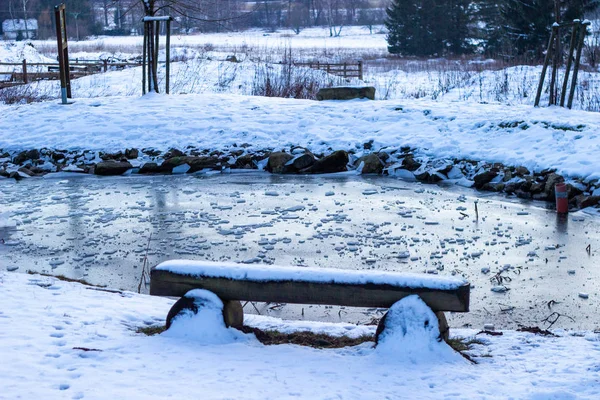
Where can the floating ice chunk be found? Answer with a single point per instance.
(369, 192)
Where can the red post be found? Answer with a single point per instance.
(562, 199)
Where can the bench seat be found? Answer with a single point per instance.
(303, 285)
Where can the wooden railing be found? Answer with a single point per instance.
(347, 70)
(50, 71)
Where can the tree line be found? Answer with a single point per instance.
(497, 28)
(123, 17)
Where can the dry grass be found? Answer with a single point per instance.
(65, 278)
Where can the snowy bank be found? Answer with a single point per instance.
(70, 341)
(537, 139)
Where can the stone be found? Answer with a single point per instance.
(383, 156)
(15, 175)
(346, 93)
(150, 168)
(26, 171)
(334, 162)
(573, 191)
(172, 153)
(301, 162)
(196, 163)
(26, 155)
(109, 168)
(57, 156)
(522, 194)
(232, 59)
(551, 181)
(483, 178)
(244, 162)
(410, 164)
(372, 164)
(132, 154)
(521, 171)
(583, 201)
(445, 170)
(428, 177)
(512, 187)
(277, 162)
(151, 152)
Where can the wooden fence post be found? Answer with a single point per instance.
(544, 68)
(105, 65)
(563, 92)
(360, 70)
(582, 32)
(25, 79)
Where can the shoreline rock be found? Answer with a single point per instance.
(402, 162)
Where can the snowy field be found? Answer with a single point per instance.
(199, 67)
(62, 340)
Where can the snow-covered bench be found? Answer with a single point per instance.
(233, 282)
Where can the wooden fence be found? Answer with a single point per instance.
(25, 72)
(346, 70)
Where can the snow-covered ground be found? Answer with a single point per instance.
(520, 135)
(65, 340)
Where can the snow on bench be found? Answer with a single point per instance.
(303, 285)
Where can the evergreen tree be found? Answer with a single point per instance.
(413, 28)
(429, 27)
(526, 24)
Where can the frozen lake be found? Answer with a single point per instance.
(99, 229)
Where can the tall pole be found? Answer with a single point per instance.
(582, 33)
(168, 55)
(563, 92)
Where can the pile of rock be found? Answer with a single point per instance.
(403, 162)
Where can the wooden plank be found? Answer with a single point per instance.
(166, 283)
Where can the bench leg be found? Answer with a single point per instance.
(233, 313)
(444, 328)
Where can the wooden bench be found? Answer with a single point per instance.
(233, 283)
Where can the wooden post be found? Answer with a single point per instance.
(345, 71)
(105, 65)
(360, 70)
(144, 58)
(563, 92)
(168, 55)
(582, 33)
(155, 55)
(544, 68)
(25, 80)
(63, 52)
(556, 60)
(552, 97)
